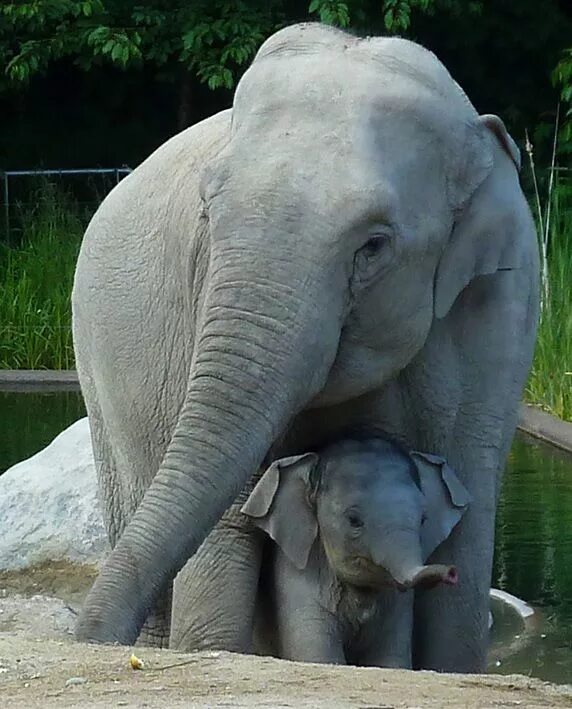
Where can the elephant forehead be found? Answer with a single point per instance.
(308, 86)
(345, 78)
(394, 54)
(369, 129)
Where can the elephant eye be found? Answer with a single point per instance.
(373, 256)
(354, 520)
(374, 245)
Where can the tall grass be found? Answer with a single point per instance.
(550, 381)
(35, 285)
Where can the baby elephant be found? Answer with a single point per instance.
(350, 526)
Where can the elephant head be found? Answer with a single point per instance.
(377, 511)
(358, 192)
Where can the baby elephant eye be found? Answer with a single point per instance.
(355, 520)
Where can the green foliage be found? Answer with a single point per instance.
(562, 78)
(550, 382)
(397, 13)
(221, 36)
(212, 38)
(331, 12)
(33, 34)
(36, 285)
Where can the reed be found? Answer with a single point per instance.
(36, 280)
(550, 381)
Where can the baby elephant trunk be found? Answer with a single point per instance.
(431, 575)
(403, 561)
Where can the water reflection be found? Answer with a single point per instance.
(533, 558)
(28, 422)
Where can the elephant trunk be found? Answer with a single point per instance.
(261, 353)
(402, 558)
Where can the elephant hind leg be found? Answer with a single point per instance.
(215, 593)
(157, 628)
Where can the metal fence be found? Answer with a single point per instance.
(13, 197)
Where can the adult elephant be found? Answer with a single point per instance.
(349, 245)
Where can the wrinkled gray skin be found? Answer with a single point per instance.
(360, 517)
(349, 245)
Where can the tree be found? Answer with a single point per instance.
(212, 38)
(185, 47)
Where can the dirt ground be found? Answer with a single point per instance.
(41, 666)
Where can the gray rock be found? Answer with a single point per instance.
(49, 506)
(38, 616)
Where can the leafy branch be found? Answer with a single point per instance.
(562, 78)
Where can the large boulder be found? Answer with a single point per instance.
(49, 506)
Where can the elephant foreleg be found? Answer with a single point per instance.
(451, 624)
(485, 346)
(121, 490)
(385, 641)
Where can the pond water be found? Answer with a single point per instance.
(28, 422)
(533, 557)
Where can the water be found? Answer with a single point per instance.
(533, 557)
(28, 422)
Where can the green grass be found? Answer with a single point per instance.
(36, 278)
(550, 381)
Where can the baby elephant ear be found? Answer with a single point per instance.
(279, 505)
(446, 499)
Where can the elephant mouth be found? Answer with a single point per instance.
(362, 573)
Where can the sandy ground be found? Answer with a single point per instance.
(41, 666)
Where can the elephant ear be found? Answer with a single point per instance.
(484, 194)
(446, 499)
(280, 505)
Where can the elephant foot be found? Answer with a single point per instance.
(157, 628)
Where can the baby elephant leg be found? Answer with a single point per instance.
(385, 640)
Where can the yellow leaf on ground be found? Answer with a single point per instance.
(135, 662)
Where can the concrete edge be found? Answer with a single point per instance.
(517, 604)
(532, 420)
(30, 380)
(544, 426)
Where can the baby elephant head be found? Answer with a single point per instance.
(378, 510)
